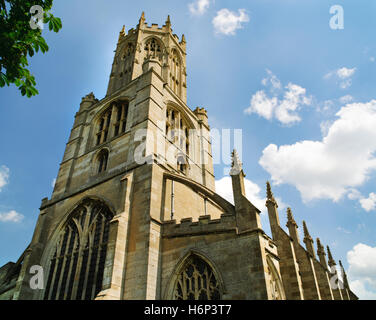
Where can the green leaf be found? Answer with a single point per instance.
(31, 51)
(3, 80)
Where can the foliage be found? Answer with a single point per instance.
(18, 41)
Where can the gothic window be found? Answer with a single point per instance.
(78, 258)
(116, 114)
(127, 53)
(121, 117)
(102, 161)
(196, 281)
(274, 282)
(104, 124)
(152, 48)
(175, 72)
(129, 49)
(177, 129)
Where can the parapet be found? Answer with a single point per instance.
(204, 225)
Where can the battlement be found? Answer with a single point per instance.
(199, 110)
(204, 225)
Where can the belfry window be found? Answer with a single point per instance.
(177, 130)
(196, 281)
(77, 263)
(152, 48)
(121, 117)
(116, 114)
(102, 161)
(175, 72)
(104, 124)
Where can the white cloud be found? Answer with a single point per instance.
(342, 76)
(372, 59)
(359, 287)
(369, 203)
(227, 22)
(284, 109)
(346, 99)
(354, 194)
(332, 167)
(262, 105)
(345, 73)
(199, 7)
(4, 176)
(224, 188)
(325, 126)
(11, 216)
(362, 270)
(53, 183)
(271, 80)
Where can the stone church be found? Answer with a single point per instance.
(134, 213)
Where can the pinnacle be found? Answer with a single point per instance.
(320, 248)
(142, 18)
(289, 215)
(236, 166)
(331, 261)
(306, 233)
(269, 193)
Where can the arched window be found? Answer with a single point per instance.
(78, 258)
(275, 283)
(196, 281)
(175, 72)
(102, 161)
(177, 130)
(153, 49)
(116, 114)
(127, 58)
(121, 117)
(104, 124)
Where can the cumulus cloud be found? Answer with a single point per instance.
(284, 109)
(332, 167)
(227, 22)
(11, 216)
(4, 176)
(252, 190)
(362, 270)
(342, 76)
(369, 203)
(199, 7)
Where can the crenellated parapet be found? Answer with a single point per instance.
(204, 225)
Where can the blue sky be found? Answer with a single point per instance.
(302, 93)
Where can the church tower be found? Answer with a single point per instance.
(113, 184)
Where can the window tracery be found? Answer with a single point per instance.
(78, 258)
(196, 281)
(177, 132)
(153, 49)
(116, 114)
